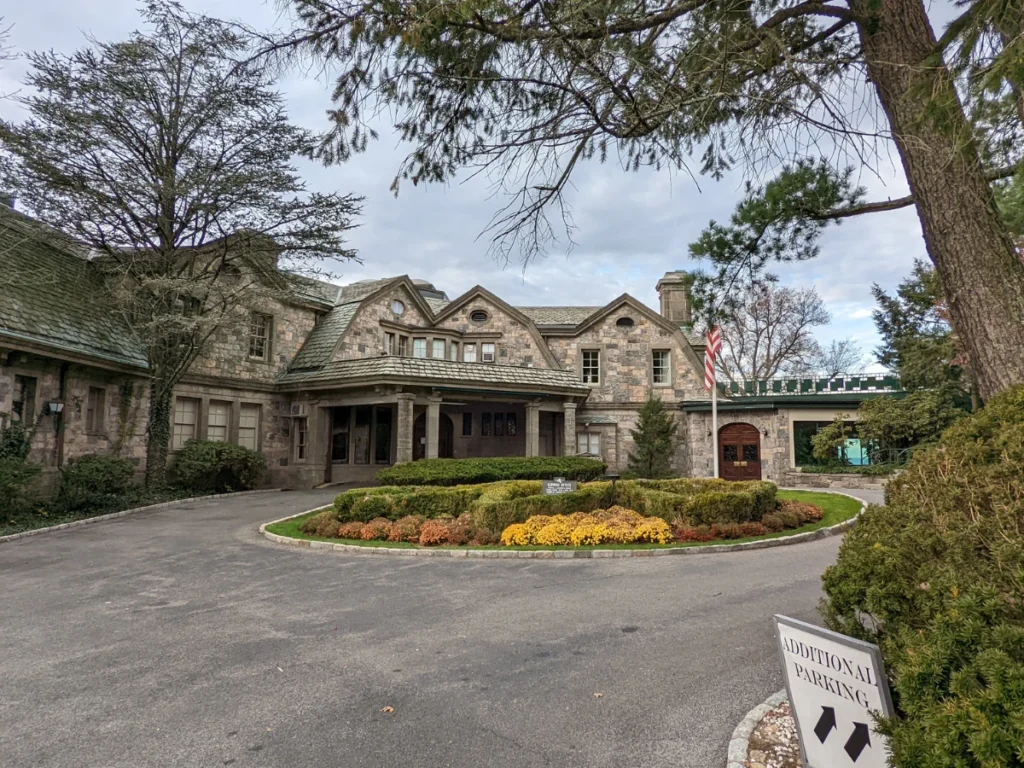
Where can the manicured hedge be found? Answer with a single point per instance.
(495, 506)
(471, 471)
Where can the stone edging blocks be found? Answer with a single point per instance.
(126, 512)
(566, 554)
(739, 744)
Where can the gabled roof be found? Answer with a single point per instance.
(326, 334)
(443, 373)
(478, 291)
(51, 296)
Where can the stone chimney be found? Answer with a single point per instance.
(676, 297)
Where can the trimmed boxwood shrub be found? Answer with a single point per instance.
(936, 578)
(94, 482)
(394, 502)
(470, 471)
(204, 465)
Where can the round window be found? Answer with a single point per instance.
(397, 307)
(478, 316)
(625, 322)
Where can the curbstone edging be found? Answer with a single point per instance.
(739, 744)
(125, 512)
(567, 554)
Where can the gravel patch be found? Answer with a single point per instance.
(773, 744)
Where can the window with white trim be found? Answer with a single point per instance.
(403, 346)
(591, 366)
(249, 426)
(661, 369)
(588, 442)
(437, 349)
(183, 428)
(453, 351)
(259, 336)
(389, 343)
(487, 352)
(419, 347)
(218, 417)
(469, 353)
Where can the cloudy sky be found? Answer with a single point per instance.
(631, 227)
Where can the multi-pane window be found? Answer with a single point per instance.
(510, 427)
(660, 367)
(382, 443)
(403, 346)
(419, 347)
(23, 407)
(591, 366)
(218, 414)
(469, 353)
(95, 409)
(588, 442)
(485, 424)
(301, 427)
(389, 344)
(453, 350)
(340, 419)
(259, 336)
(487, 352)
(467, 424)
(499, 425)
(186, 414)
(437, 352)
(249, 426)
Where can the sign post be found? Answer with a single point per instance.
(834, 683)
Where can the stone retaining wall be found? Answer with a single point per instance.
(838, 480)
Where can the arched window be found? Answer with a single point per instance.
(625, 322)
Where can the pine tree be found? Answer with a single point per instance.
(653, 440)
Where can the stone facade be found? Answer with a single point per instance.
(331, 400)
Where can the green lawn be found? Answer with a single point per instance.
(836, 509)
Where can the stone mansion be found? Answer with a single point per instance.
(335, 382)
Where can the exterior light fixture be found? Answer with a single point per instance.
(764, 431)
(55, 407)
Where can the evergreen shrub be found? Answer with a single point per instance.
(471, 471)
(95, 483)
(936, 578)
(204, 465)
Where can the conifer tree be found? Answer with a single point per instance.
(653, 440)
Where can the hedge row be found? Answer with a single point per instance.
(495, 506)
(472, 471)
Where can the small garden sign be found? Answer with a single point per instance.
(558, 485)
(834, 683)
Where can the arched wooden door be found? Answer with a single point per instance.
(445, 437)
(739, 452)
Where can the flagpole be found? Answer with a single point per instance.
(714, 421)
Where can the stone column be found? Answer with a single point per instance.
(433, 425)
(532, 429)
(570, 428)
(403, 452)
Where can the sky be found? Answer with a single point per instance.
(631, 228)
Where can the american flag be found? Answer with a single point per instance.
(714, 344)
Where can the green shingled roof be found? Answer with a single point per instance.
(324, 337)
(558, 315)
(50, 295)
(463, 375)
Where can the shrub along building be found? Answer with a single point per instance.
(333, 383)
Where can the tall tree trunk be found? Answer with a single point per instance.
(158, 432)
(981, 274)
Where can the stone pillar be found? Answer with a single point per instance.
(403, 452)
(570, 428)
(433, 425)
(532, 429)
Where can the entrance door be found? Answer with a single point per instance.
(739, 457)
(445, 437)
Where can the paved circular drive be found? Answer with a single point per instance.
(181, 638)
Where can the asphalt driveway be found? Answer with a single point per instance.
(181, 638)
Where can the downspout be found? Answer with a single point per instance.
(61, 396)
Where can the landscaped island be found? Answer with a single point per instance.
(515, 513)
